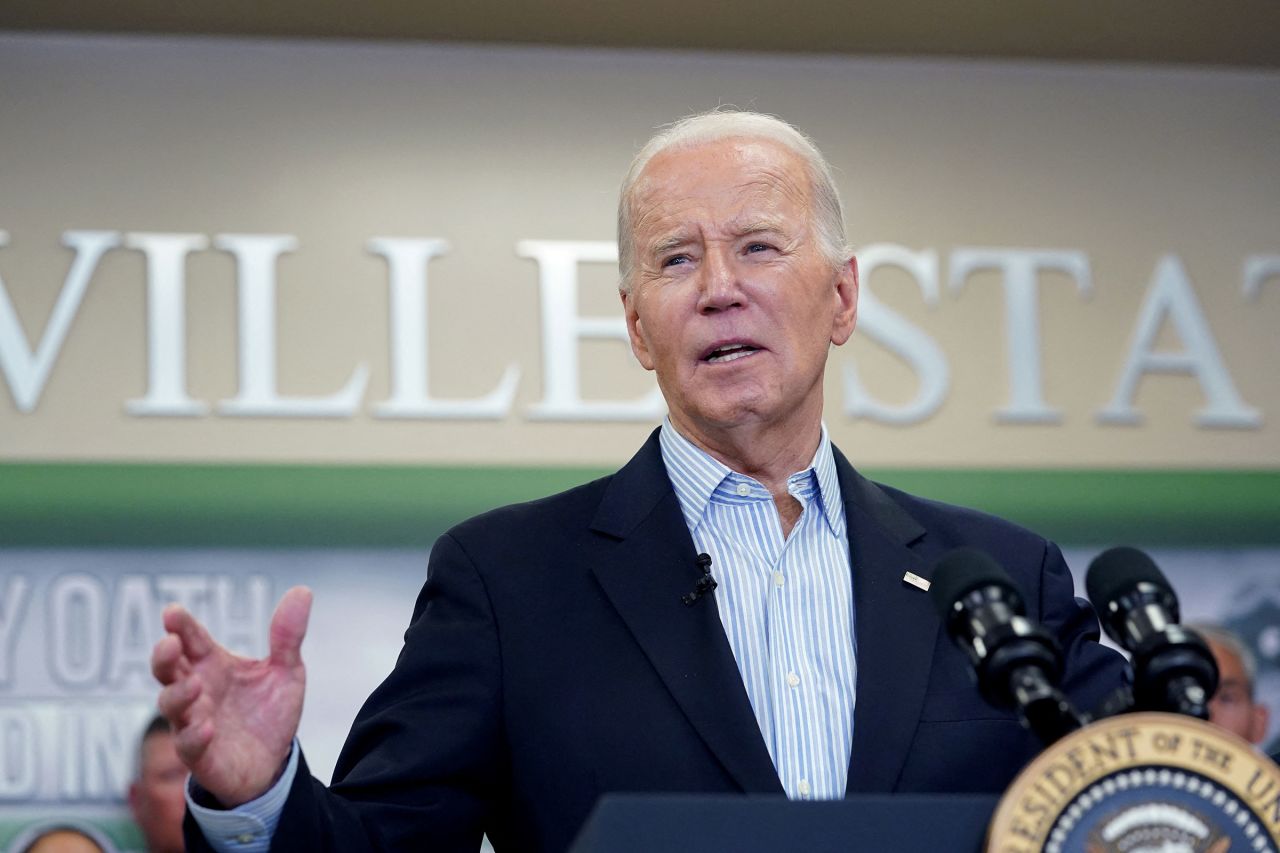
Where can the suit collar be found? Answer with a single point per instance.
(648, 567)
(875, 504)
(634, 492)
(896, 630)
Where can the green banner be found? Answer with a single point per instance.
(97, 505)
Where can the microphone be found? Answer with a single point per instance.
(1173, 668)
(705, 585)
(1017, 663)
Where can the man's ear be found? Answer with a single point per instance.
(635, 330)
(846, 316)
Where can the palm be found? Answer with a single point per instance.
(234, 717)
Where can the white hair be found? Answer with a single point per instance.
(827, 213)
(1230, 641)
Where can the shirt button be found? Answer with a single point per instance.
(244, 837)
(778, 579)
(804, 788)
(793, 680)
(743, 490)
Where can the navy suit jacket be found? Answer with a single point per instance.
(550, 660)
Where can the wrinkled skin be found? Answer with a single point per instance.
(233, 718)
(726, 254)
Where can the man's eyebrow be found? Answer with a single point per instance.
(757, 226)
(666, 244)
(746, 228)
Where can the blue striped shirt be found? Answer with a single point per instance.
(786, 604)
(787, 608)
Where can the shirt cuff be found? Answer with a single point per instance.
(247, 828)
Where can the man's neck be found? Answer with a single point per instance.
(768, 454)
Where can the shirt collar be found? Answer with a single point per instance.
(695, 475)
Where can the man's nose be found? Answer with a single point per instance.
(721, 284)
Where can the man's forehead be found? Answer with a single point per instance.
(758, 191)
(1225, 655)
(741, 165)
(159, 744)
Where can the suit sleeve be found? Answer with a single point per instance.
(1092, 671)
(423, 761)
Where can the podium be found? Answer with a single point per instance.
(698, 823)
(1128, 781)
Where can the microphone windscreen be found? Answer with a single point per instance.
(1117, 571)
(961, 571)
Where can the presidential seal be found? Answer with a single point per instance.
(1142, 783)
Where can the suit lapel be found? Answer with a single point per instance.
(649, 565)
(896, 630)
(646, 570)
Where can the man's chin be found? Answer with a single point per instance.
(734, 414)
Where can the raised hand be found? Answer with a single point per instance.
(233, 717)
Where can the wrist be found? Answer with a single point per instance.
(234, 798)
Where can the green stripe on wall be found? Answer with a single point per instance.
(153, 505)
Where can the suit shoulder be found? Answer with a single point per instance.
(954, 526)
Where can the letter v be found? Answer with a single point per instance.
(27, 368)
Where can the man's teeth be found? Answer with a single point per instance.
(731, 352)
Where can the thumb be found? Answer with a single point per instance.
(289, 626)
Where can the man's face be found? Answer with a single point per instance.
(732, 302)
(1232, 707)
(157, 799)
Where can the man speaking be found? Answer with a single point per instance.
(730, 612)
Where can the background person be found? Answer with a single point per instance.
(157, 795)
(62, 838)
(1233, 706)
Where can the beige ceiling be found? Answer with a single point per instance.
(1243, 33)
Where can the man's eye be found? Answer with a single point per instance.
(675, 260)
(758, 247)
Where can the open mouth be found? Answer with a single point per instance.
(729, 352)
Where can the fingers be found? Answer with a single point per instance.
(196, 642)
(192, 741)
(168, 664)
(289, 626)
(177, 698)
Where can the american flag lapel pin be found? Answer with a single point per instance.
(916, 581)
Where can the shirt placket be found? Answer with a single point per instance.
(789, 677)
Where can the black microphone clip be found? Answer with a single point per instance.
(705, 584)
